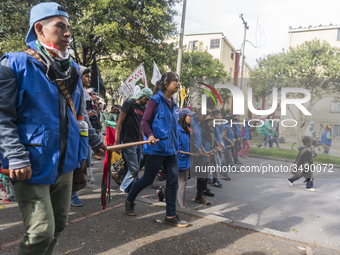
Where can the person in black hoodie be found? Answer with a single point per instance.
(303, 165)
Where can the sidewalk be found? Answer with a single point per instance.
(93, 231)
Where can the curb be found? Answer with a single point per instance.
(231, 223)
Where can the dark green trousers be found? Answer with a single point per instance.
(44, 209)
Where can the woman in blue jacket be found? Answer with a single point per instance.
(160, 121)
(183, 159)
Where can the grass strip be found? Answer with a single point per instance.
(292, 154)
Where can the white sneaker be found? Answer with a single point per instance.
(311, 189)
(290, 184)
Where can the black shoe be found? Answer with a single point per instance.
(217, 184)
(226, 178)
(129, 208)
(202, 200)
(259, 145)
(210, 181)
(208, 193)
(176, 221)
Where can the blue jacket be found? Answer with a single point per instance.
(230, 135)
(38, 120)
(218, 133)
(183, 145)
(238, 130)
(198, 133)
(206, 145)
(246, 133)
(325, 140)
(164, 125)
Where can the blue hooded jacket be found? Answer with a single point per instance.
(183, 145)
(38, 120)
(246, 133)
(164, 125)
(198, 133)
(230, 135)
(325, 140)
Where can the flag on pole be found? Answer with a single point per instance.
(156, 76)
(96, 79)
(138, 77)
(183, 96)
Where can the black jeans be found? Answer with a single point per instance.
(152, 166)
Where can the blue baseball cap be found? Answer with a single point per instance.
(42, 11)
(185, 112)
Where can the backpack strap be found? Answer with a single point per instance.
(60, 84)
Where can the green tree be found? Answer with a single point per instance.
(200, 66)
(121, 33)
(314, 65)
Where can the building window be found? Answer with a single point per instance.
(214, 44)
(232, 54)
(335, 106)
(231, 72)
(338, 34)
(336, 130)
(193, 45)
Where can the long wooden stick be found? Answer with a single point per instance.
(4, 172)
(109, 148)
(125, 145)
(187, 153)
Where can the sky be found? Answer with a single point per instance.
(268, 21)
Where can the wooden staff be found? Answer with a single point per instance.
(4, 172)
(109, 148)
(225, 148)
(187, 153)
(125, 145)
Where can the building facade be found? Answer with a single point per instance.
(327, 110)
(220, 48)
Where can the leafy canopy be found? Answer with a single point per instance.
(200, 65)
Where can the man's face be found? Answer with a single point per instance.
(100, 106)
(144, 100)
(57, 31)
(86, 79)
(115, 109)
(96, 101)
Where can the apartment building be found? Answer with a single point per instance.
(220, 48)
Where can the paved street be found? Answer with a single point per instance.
(287, 219)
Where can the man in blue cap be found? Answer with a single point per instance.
(41, 98)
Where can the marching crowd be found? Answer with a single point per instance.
(44, 94)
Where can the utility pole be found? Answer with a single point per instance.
(246, 27)
(180, 50)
